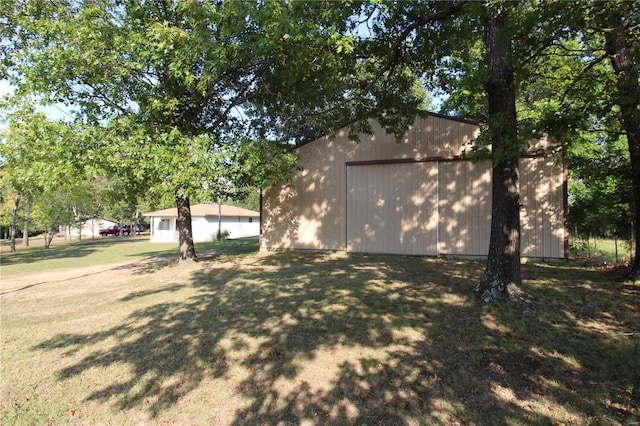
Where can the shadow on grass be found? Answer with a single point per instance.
(381, 340)
(210, 249)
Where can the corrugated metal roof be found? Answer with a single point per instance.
(208, 210)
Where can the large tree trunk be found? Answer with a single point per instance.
(502, 274)
(185, 234)
(621, 51)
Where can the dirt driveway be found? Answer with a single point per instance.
(82, 278)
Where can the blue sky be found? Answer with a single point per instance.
(5, 88)
(54, 112)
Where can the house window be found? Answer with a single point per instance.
(164, 225)
(250, 220)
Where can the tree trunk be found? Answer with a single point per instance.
(76, 223)
(631, 248)
(48, 237)
(219, 219)
(25, 226)
(52, 229)
(137, 223)
(502, 274)
(621, 48)
(14, 223)
(185, 234)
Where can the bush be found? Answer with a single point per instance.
(579, 248)
(601, 249)
(222, 235)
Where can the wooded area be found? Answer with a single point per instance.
(171, 102)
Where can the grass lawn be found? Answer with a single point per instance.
(251, 338)
(88, 252)
(602, 250)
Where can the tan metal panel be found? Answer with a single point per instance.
(433, 136)
(542, 214)
(391, 208)
(464, 207)
(311, 213)
(314, 212)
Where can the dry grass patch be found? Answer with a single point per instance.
(303, 338)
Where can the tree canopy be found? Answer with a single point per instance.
(42, 162)
(181, 88)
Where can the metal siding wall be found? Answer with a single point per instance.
(428, 137)
(391, 208)
(542, 215)
(313, 214)
(465, 208)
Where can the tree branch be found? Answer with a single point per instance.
(582, 75)
(419, 23)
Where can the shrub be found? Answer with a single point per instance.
(222, 235)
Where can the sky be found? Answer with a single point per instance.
(5, 88)
(54, 112)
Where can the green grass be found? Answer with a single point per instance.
(252, 338)
(601, 250)
(89, 252)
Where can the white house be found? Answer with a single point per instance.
(205, 222)
(90, 228)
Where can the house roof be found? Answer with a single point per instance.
(208, 210)
(99, 218)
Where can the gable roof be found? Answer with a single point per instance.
(430, 123)
(207, 210)
(100, 218)
(421, 114)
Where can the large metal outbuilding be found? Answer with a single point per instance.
(416, 197)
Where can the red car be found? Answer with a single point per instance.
(115, 230)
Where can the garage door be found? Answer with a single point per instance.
(392, 208)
